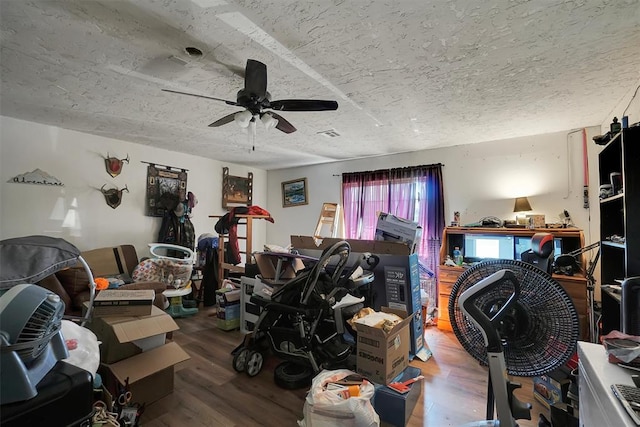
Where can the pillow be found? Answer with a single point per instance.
(74, 280)
(53, 284)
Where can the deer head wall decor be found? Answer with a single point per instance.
(113, 196)
(114, 165)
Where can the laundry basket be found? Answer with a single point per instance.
(175, 272)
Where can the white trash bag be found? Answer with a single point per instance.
(326, 408)
(83, 346)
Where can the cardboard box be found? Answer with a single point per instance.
(277, 267)
(313, 247)
(393, 229)
(536, 221)
(126, 336)
(149, 374)
(227, 296)
(397, 286)
(383, 355)
(228, 314)
(116, 302)
(552, 388)
(395, 408)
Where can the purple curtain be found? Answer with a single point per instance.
(413, 193)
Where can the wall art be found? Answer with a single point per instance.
(36, 176)
(294, 193)
(113, 196)
(114, 165)
(236, 190)
(166, 187)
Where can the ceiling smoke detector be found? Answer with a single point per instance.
(331, 133)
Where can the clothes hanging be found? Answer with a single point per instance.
(228, 224)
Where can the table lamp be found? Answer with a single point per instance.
(521, 205)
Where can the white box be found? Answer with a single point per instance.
(393, 229)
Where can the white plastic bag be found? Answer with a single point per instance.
(324, 408)
(86, 355)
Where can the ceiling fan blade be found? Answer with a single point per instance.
(255, 79)
(200, 96)
(303, 105)
(283, 125)
(224, 120)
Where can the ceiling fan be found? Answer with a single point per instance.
(255, 99)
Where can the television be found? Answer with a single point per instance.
(522, 244)
(478, 247)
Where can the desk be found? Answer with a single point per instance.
(176, 309)
(598, 406)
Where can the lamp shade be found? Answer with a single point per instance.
(269, 121)
(522, 205)
(243, 118)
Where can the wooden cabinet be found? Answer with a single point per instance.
(619, 215)
(576, 285)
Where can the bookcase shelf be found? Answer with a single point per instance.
(619, 216)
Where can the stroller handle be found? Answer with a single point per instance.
(342, 249)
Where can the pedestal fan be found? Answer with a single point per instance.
(516, 319)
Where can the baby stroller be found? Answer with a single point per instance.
(304, 321)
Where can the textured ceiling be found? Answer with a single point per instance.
(407, 75)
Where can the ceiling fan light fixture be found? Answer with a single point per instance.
(243, 118)
(269, 121)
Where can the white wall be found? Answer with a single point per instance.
(479, 180)
(76, 159)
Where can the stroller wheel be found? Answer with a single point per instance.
(240, 360)
(292, 376)
(254, 363)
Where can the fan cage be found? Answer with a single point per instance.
(539, 334)
(41, 326)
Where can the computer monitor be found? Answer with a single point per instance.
(478, 247)
(522, 244)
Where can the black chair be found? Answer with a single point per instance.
(541, 252)
(630, 306)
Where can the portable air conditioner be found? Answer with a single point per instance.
(30, 339)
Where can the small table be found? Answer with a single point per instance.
(176, 309)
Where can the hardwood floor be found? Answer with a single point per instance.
(208, 392)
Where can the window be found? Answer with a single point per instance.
(413, 193)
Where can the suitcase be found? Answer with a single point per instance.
(65, 398)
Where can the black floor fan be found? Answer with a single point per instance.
(516, 319)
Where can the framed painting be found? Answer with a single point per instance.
(294, 193)
(236, 190)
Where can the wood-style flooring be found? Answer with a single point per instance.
(208, 392)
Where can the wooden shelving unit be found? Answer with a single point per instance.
(245, 233)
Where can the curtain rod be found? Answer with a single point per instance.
(404, 167)
(166, 166)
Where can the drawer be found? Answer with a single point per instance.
(444, 288)
(449, 274)
(443, 307)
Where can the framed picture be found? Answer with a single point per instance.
(294, 193)
(236, 190)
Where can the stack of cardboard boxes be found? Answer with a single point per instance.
(383, 357)
(228, 308)
(134, 348)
